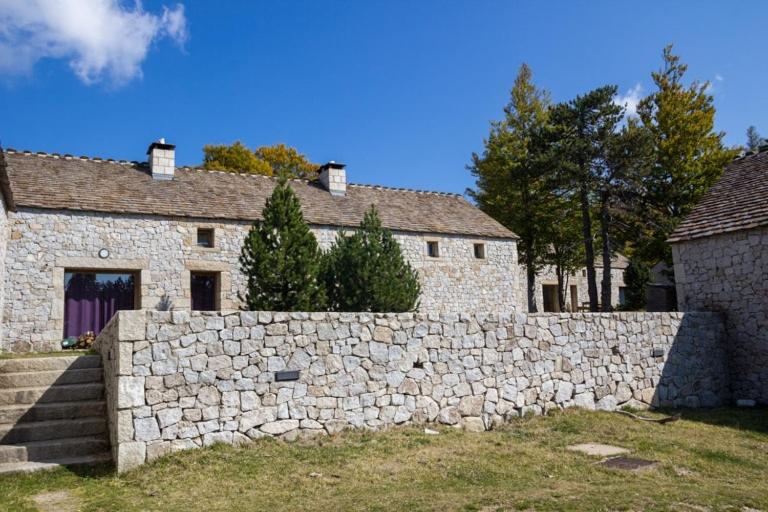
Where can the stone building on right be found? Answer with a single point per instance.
(720, 253)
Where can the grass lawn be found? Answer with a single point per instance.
(710, 460)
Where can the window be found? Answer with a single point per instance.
(433, 251)
(480, 251)
(204, 237)
(205, 290)
(91, 298)
(622, 295)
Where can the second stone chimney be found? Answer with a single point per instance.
(333, 177)
(162, 160)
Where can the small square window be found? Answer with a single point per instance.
(204, 237)
(480, 251)
(433, 251)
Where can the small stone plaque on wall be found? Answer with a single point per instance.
(286, 375)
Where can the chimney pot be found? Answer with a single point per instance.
(333, 176)
(162, 160)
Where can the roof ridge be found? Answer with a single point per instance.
(237, 173)
(307, 180)
(762, 150)
(98, 159)
(67, 156)
(402, 189)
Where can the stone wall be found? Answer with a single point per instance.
(3, 249)
(184, 380)
(162, 252)
(729, 273)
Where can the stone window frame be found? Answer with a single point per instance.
(484, 247)
(216, 289)
(224, 283)
(427, 243)
(190, 240)
(212, 234)
(140, 267)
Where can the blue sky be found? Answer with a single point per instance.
(400, 91)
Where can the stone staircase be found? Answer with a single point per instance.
(52, 413)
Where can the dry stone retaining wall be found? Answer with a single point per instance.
(178, 380)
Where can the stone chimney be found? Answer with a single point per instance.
(333, 177)
(162, 160)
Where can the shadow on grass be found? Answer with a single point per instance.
(742, 419)
(91, 471)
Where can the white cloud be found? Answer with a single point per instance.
(99, 38)
(711, 88)
(630, 100)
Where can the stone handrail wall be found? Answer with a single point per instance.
(178, 380)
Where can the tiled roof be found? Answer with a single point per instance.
(738, 201)
(43, 180)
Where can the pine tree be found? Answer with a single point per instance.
(636, 277)
(367, 272)
(512, 182)
(689, 154)
(584, 129)
(281, 259)
(754, 140)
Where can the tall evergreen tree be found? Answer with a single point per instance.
(281, 259)
(628, 161)
(636, 277)
(583, 131)
(367, 272)
(754, 139)
(512, 184)
(689, 154)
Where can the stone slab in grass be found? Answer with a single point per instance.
(629, 463)
(597, 449)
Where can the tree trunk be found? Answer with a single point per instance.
(560, 287)
(589, 249)
(531, 287)
(605, 222)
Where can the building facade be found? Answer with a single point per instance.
(721, 264)
(81, 238)
(576, 287)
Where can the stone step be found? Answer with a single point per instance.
(52, 411)
(53, 429)
(31, 467)
(49, 378)
(66, 393)
(55, 449)
(37, 364)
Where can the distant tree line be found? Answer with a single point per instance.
(276, 160)
(581, 180)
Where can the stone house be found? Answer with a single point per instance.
(720, 256)
(83, 237)
(576, 289)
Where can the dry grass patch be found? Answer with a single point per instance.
(712, 459)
